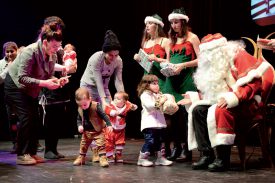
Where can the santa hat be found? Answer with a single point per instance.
(178, 14)
(212, 41)
(110, 42)
(155, 19)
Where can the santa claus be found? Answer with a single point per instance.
(231, 88)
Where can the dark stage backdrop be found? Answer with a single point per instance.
(86, 22)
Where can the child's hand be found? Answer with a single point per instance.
(134, 107)
(80, 129)
(163, 99)
(109, 129)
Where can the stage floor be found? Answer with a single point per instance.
(63, 171)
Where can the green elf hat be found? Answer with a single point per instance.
(155, 19)
(178, 14)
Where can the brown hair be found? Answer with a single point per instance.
(124, 95)
(145, 82)
(159, 32)
(81, 93)
(174, 35)
(50, 34)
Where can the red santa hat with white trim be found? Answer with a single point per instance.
(178, 14)
(155, 19)
(212, 41)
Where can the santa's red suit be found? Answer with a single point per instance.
(116, 138)
(243, 85)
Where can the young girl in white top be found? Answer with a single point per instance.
(152, 120)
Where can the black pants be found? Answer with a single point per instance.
(176, 130)
(200, 127)
(26, 108)
(55, 122)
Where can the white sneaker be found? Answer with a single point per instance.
(145, 162)
(25, 159)
(163, 161)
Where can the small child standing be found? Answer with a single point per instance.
(115, 138)
(152, 121)
(90, 123)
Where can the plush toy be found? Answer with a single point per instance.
(168, 105)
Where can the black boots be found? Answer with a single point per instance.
(180, 153)
(206, 158)
(208, 161)
(222, 161)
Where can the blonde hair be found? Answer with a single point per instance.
(145, 82)
(81, 93)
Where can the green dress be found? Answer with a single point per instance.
(180, 84)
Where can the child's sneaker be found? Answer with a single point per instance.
(103, 162)
(25, 159)
(119, 158)
(80, 160)
(161, 160)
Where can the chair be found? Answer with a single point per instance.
(259, 122)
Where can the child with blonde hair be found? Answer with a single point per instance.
(152, 121)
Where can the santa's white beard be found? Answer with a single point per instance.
(211, 73)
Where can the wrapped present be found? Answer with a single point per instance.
(168, 69)
(144, 61)
(169, 106)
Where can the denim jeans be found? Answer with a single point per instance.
(152, 138)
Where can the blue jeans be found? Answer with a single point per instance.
(152, 139)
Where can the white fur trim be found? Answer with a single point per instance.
(178, 16)
(255, 73)
(211, 122)
(214, 137)
(192, 143)
(231, 99)
(110, 153)
(213, 44)
(223, 139)
(194, 96)
(153, 19)
(119, 147)
(112, 113)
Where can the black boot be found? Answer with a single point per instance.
(222, 161)
(176, 151)
(167, 150)
(206, 158)
(185, 155)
